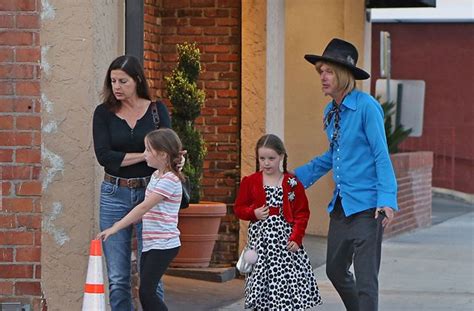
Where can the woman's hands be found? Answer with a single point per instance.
(132, 158)
(262, 212)
(104, 235)
(180, 165)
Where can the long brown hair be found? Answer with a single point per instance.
(167, 140)
(132, 67)
(273, 142)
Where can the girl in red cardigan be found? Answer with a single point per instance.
(275, 203)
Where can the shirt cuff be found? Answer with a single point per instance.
(387, 199)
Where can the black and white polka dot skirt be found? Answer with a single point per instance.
(280, 280)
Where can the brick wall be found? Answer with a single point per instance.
(215, 26)
(445, 131)
(413, 171)
(20, 152)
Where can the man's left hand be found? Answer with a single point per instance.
(386, 213)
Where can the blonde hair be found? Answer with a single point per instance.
(345, 81)
(166, 140)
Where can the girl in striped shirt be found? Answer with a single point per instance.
(159, 213)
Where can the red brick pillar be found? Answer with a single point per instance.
(413, 171)
(216, 26)
(20, 152)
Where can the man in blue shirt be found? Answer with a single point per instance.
(365, 194)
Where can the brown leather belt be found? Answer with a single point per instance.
(140, 182)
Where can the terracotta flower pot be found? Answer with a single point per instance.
(199, 226)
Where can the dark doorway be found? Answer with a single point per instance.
(134, 15)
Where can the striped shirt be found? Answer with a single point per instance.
(160, 223)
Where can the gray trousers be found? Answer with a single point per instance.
(357, 240)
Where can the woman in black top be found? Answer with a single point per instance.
(119, 128)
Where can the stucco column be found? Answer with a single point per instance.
(309, 26)
(253, 111)
(263, 78)
(275, 67)
(78, 41)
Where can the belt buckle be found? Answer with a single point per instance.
(131, 183)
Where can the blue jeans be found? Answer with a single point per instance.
(115, 203)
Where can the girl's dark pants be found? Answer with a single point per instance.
(153, 265)
(355, 239)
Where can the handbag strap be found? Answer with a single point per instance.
(155, 115)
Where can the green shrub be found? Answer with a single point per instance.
(187, 100)
(395, 135)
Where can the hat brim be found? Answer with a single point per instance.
(358, 73)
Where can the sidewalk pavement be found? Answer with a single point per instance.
(428, 269)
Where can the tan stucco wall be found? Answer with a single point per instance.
(253, 86)
(78, 41)
(310, 25)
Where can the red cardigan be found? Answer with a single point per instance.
(252, 195)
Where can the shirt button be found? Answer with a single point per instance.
(338, 185)
(337, 167)
(337, 176)
(337, 149)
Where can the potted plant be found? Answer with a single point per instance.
(199, 223)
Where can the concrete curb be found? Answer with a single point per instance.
(453, 194)
(206, 274)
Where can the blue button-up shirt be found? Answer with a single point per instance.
(362, 170)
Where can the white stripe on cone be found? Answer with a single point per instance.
(94, 272)
(94, 301)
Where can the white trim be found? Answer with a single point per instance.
(275, 68)
(422, 21)
(449, 11)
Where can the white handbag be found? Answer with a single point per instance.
(249, 256)
(246, 261)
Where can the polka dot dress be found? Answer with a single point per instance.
(280, 280)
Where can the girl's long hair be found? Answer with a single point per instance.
(167, 140)
(273, 142)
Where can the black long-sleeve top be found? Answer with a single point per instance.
(113, 138)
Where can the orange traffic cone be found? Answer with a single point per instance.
(94, 297)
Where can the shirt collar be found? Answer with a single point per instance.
(349, 101)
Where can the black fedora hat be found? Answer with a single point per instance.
(343, 53)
